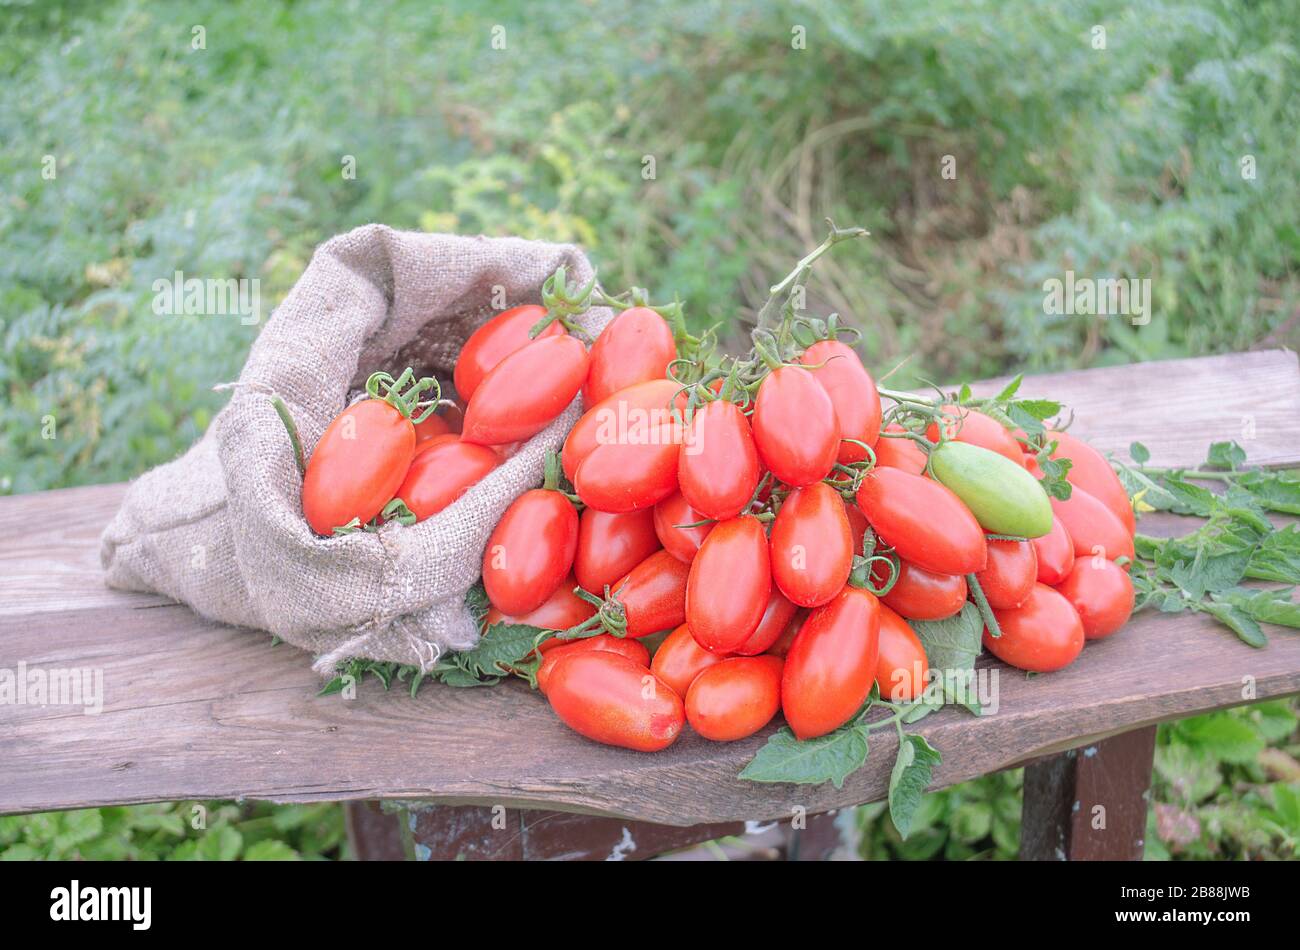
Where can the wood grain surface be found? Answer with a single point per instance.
(195, 709)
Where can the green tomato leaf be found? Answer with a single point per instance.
(1239, 622)
(912, 772)
(829, 758)
(1227, 455)
(1139, 453)
(952, 644)
(1264, 606)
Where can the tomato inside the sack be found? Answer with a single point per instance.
(1010, 575)
(1003, 497)
(794, 427)
(776, 618)
(560, 611)
(621, 477)
(853, 394)
(531, 551)
(974, 428)
(735, 698)
(357, 466)
(730, 580)
(524, 393)
(1101, 593)
(430, 427)
(811, 546)
(634, 650)
(831, 664)
(1090, 471)
(902, 669)
(717, 465)
(1041, 635)
(629, 415)
(636, 346)
(611, 699)
(610, 545)
(443, 471)
(487, 346)
(680, 659)
(925, 522)
(680, 542)
(653, 594)
(919, 594)
(899, 451)
(1093, 528)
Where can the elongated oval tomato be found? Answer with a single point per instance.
(717, 466)
(831, 664)
(560, 611)
(1090, 471)
(794, 426)
(1054, 552)
(857, 526)
(614, 700)
(653, 594)
(670, 515)
(1011, 573)
(735, 698)
(443, 471)
(853, 394)
(487, 346)
(902, 669)
(1101, 593)
(811, 546)
(430, 427)
(357, 466)
(776, 618)
(636, 346)
(925, 522)
(899, 451)
(628, 416)
(634, 650)
(1003, 497)
(621, 477)
(1093, 528)
(975, 428)
(729, 583)
(531, 551)
(680, 659)
(524, 393)
(919, 594)
(782, 645)
(1042, 634)
(610, 545)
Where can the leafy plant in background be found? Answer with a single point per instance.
(255, 832)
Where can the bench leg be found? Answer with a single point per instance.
(477, 833)
(1089, 804)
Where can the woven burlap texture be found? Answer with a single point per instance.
(221, 528)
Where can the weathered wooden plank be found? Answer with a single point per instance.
(1178, 407)
(194, 709)
(1090, 803)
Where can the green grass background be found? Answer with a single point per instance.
(227, 162)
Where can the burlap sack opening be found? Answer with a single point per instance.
(221, 528)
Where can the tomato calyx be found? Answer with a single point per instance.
(862, 573)
(564, 301)
(610, 617)
(404, 392)
(397, 510)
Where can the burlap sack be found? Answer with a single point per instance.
(221, 528)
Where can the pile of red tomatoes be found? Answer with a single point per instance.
(766, 522)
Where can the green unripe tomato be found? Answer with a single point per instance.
(1003, 496)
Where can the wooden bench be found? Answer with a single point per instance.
(197, 710)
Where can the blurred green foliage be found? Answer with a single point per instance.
(758, 119)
